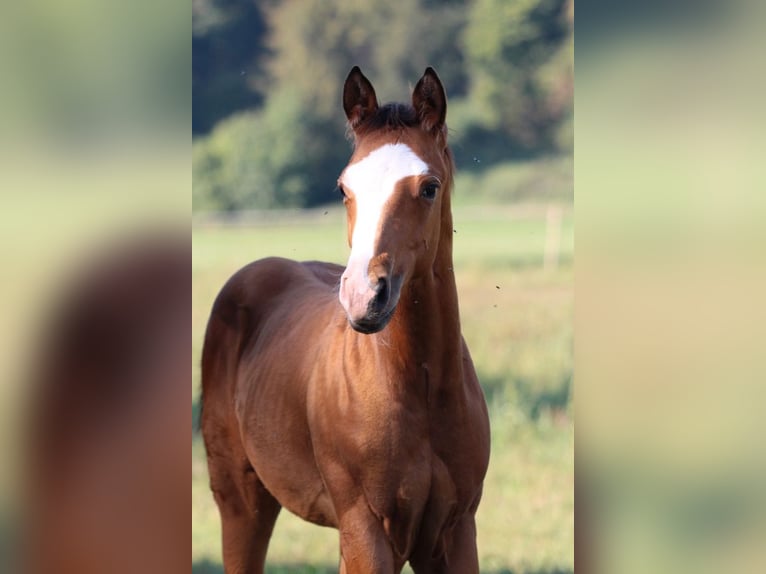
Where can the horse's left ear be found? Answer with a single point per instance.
(430, 101)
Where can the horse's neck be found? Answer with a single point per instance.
(424, 335)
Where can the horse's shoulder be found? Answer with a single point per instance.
(327, 273)
(280, 270)
(269, 270)
(257, 281)
(260, 282)
(274, 267)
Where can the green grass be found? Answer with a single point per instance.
(517, 319)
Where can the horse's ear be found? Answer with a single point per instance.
(359, 100)
(430, 101)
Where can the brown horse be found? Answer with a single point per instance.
(348, 396)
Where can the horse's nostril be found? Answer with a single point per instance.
(381, 289)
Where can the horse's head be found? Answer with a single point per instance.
(396, 191)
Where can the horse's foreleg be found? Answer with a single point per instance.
(462, 556)
(248, 511)
(248, 514)
(364, 547)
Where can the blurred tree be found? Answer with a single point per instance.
(254, 160)
(315, 44)
(520, 62)
(507, 68)
(267, 159)
(228, 38)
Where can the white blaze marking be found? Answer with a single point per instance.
(372, 180)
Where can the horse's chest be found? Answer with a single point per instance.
(413, 501)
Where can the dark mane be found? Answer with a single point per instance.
(391, 116)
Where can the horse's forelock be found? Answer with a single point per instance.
(392, 116)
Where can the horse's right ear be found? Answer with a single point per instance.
(359, 100)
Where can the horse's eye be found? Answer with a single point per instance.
(428, 190)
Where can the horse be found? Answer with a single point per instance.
(348, 395)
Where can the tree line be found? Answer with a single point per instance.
(268, 126)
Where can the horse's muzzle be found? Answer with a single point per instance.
(369, 299)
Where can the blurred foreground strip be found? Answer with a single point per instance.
(106, 468)
(95, 264)
(671, 277)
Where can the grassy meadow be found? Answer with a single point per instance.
(517, 317)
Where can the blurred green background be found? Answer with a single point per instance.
(268, 145)
(267, 77)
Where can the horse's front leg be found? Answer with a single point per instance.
(462, 556)
(364, 546)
